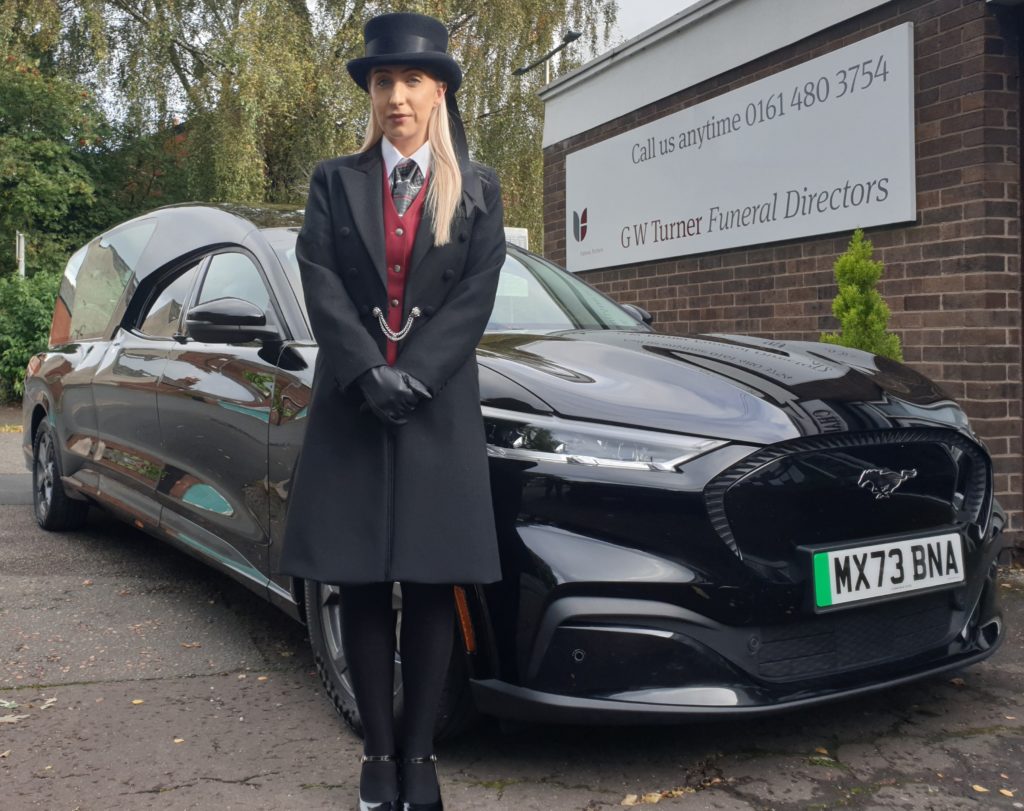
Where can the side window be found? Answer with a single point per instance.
(95, 278)
(161, 317)
(235, 275)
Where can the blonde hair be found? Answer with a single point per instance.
(445, 188)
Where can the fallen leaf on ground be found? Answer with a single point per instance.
(1004, 776)
(630, 799)
(1006, 792)
(821, 750)
(958, 682)
(179, 740)
(8, 705)
(262, 678)
(191, 644)
(652, 797)
(5, 753)
(48, 703)
(980, 789)
(86, 582)
(138, 701)
(11, 719)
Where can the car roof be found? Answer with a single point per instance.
(194, 227)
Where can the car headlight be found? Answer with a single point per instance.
(539, 438)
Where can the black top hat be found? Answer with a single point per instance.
(406, 39)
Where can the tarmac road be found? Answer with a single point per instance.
(231, 714)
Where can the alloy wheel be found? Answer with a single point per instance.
(329, 603)
(44, 474)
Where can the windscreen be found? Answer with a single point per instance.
(533, 295)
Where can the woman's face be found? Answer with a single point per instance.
(402, 99)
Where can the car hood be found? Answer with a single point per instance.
(728, 386)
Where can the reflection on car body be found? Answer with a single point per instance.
(678, 515)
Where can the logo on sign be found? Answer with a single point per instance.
(882, 481)
(579, 225)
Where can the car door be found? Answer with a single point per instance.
(214, 402)
(128, 454)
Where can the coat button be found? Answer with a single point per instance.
(395, 302)
(397, 268)
(366, 309)
(399, 231)
(345, 230)
(428, 310)
(448, 273)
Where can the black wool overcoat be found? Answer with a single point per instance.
(370, 502)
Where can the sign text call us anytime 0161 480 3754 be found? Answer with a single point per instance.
(826, 146)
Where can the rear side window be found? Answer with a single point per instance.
(94, 279)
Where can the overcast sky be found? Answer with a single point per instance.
(639, 15)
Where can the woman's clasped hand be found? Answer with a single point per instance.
(391, 393)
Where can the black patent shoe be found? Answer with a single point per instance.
(377, 805)
(435, 805)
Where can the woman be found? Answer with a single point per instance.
(399, 255)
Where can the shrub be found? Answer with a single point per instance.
(26, 309)
(863, 315)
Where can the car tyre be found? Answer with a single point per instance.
(456, 711)
(53, 507)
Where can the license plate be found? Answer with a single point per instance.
(863, 573)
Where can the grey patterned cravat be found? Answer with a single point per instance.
(406, 182)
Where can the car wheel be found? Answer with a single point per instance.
(456, 712)
(54, 509)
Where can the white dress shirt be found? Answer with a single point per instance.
(389, 152)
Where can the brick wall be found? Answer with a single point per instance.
(952, 279)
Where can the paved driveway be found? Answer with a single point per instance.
(138, 679)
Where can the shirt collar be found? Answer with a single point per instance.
(389, 152)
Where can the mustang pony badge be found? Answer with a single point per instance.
(882, 481)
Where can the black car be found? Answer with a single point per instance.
(691, 526)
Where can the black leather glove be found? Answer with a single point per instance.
(387, 393)
(417, 386)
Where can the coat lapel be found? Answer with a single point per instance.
(472, 197)
(363, 187)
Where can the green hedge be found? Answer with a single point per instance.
(26, 309)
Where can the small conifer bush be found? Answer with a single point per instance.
(863, 315)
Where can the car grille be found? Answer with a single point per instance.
(847, 640)
(805, 492)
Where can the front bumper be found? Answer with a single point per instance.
(668, 706)
(618, 660)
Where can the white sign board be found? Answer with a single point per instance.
(823, 147)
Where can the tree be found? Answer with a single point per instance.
(262, 86)
(44, 183)
(862, 313)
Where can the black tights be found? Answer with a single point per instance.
(368, 638)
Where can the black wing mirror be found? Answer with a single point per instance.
(229, 320)
(638, 312)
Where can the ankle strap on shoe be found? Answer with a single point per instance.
(365, 758)
(420, 759)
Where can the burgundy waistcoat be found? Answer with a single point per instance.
(399, 234)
